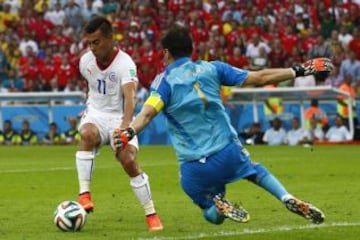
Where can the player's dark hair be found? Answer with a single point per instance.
(97, 23)
(178, 41)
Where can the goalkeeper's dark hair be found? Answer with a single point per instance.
(98, 23)
(178, 41)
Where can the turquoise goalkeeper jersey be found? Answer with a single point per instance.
(197, 122)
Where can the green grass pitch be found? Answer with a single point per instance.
(34, 180)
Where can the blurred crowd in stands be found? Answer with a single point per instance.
(41, 41)
(314, 133)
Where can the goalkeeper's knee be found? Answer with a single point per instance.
(213, 216)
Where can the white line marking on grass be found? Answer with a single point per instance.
(55, 169)
(249, 231)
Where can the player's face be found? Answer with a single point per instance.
(100, 45)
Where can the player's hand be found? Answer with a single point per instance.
(313, 66)
(121, 137)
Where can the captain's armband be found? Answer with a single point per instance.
(155, 101)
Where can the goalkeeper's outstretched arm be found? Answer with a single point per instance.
(142, 119)
(269, 76)
(276, 75)
(150, 109)
(121, 137)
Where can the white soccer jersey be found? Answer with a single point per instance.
(105, 91)
(294, 136)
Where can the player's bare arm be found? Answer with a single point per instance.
(129, 91)
(146, 114)
(122, 137)
(152, 106)
(269, 76)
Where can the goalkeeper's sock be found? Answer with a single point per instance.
(272, 185)
(286, 197)
(85, 168)
(141, 187)
(269, 182)
(213, 215)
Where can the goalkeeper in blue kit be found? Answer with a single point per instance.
(207, 147)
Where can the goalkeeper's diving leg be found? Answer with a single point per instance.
(270, 183)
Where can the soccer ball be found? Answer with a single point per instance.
(70, 216)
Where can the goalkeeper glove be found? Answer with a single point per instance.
(121, 137)
(313, 66)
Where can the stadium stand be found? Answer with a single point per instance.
(40, 41)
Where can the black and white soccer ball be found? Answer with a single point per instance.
(70, 216)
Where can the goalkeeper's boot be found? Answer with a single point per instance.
(233, 212)
(85, 201)
(154, 223)
(305, 210)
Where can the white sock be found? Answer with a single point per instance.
(85, 167)
(141, 187)
(286, 197)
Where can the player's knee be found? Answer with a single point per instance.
(213, 216)
(261, 172)
(127, 158)
(89, 136)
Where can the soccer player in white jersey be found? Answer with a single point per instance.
(207, 146)
(112, 83)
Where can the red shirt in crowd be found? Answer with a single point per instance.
(47, 72)
(239, 62)
(199, 34)
(355, 46)
(30, 73)
(65, 73)
(41, 27)
(288, 41)
(146, 74)
(175, 5)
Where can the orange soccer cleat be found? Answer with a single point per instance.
(154, 223)
(85, 201)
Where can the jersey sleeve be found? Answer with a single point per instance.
(230, 75)
(160, 89)
(129, 71)
(81, 66)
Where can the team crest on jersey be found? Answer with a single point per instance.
(112, 77)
